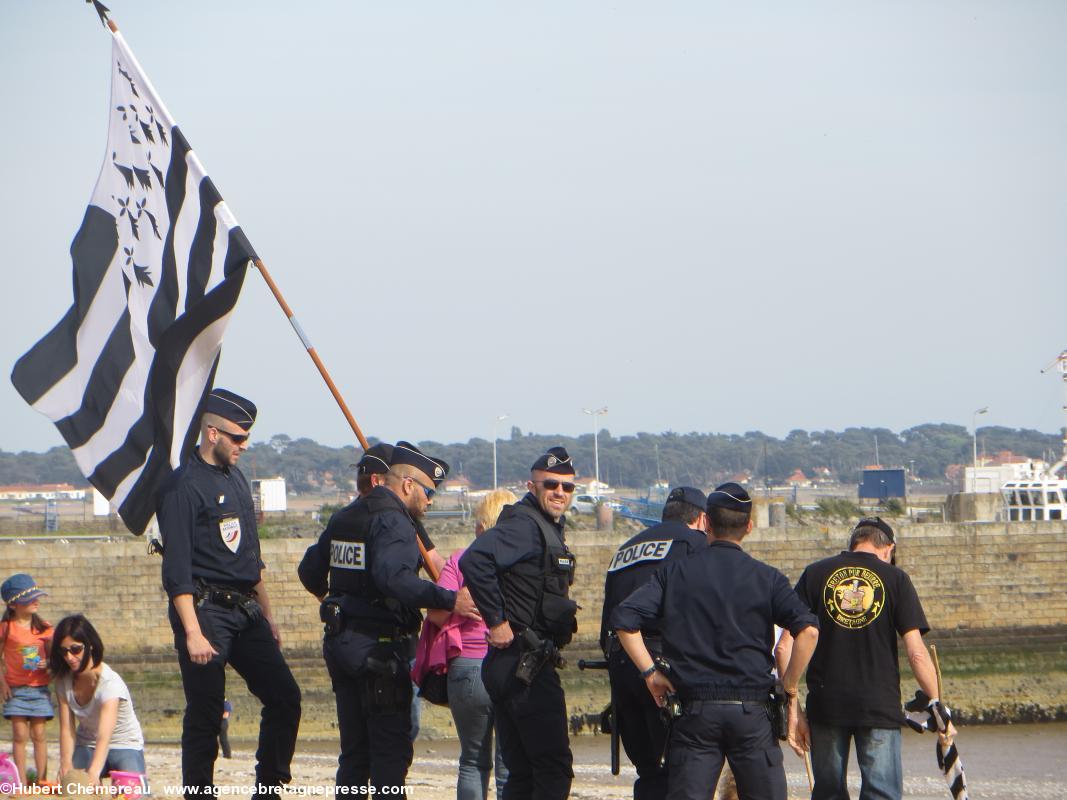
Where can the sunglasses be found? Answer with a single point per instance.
(236, 438)
(74, 650)
(552, 485)
(428, 492)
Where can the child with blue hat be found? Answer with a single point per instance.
(25, 639)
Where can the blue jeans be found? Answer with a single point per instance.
(877, 752)
(416, 706)
(472, 711)
(118, 758)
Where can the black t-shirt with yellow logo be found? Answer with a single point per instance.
(863, 604)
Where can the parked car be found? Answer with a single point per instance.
(583, 504)
(586, 504)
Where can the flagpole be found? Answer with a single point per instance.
(259, 265)
(311, 352)
(937, 671)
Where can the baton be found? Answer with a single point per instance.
(583, 664)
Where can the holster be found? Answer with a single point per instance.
(778, 703)
(535, 652)
(387, 688)
(332, 616)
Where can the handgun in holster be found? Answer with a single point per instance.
(332, 616)
(250, 608)
(779, 700)
(535, 653)
(388, 687)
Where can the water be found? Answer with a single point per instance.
(1002, 762)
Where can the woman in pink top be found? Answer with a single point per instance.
(471, 708)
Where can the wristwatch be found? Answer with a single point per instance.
(647, 672)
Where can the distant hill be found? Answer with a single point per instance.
(700, 459)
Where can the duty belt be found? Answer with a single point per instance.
(224, 596)
(725, 695)
(382, 634)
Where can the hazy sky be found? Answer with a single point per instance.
(706, 216)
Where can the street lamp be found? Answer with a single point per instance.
(596, 450)
(974, 426)
(499, 419)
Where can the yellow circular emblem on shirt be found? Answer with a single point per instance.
(854, 597)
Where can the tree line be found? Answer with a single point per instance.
(698, 459)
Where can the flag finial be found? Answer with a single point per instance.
(101, 9)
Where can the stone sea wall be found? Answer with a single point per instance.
(990, 588)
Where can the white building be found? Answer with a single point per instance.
(990, 479)
(268, 494)
(44, 491)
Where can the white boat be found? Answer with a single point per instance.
(1041, 495)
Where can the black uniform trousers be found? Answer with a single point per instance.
(376, 741)
(641, 726)
(244, 641)
(531, 726)
(710, 730)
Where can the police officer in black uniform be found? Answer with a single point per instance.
(315, 566)
(717, 612)
(370, 472)
(519, 573)
(371, 612)
(219, 609)
(640, 722)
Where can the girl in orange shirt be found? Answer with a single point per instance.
(25, 639)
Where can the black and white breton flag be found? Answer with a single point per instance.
(922, 715)
(158, 265)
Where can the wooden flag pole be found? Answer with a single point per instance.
(807, 766)
(311, 352)
(937, 671)
(430, 568)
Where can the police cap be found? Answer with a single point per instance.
(238, 410)
(555, 460)
(375, 460)
(406, 453)
(687, 494)
(731, 496)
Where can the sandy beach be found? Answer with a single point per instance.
(1003, 762)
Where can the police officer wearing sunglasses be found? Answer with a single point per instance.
(519, 573)
(219, 608)
(373, 594)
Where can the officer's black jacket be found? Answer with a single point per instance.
(199, 505)
(368, 556)
(636, 560)
(717, 612)
(314, 568)
(505, 568)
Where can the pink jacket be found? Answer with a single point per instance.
(436, 647)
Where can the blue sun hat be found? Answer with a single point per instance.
(21, 589)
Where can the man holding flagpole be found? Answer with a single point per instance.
(219, 608)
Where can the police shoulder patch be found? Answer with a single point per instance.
(637, 553)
